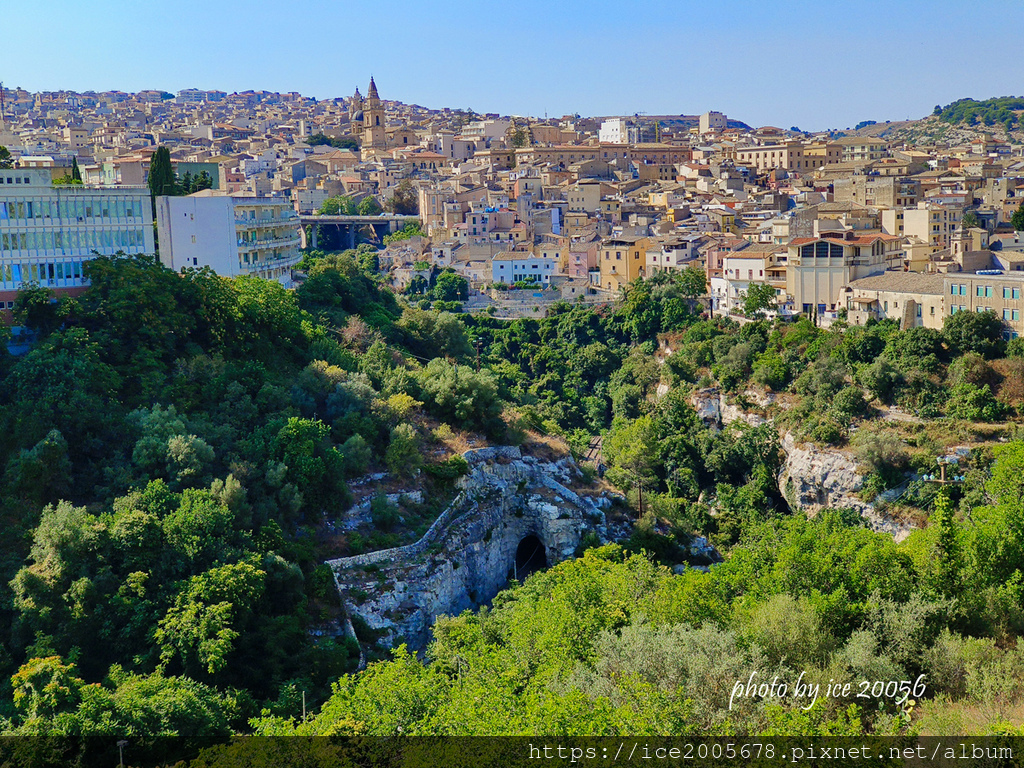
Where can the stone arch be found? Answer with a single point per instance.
(531, 556)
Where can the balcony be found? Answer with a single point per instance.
(288, 218)
(270, 242)
(284, 260)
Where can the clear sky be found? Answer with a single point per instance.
(814, 65)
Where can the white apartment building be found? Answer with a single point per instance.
(233, 235)
(672, 254)
(739, 272)
(513, 266)
(614, 131)
(48, 232)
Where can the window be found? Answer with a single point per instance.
(931, 310)
(1006, 292)
(979, 291)
(1015, 315)
(1016, 293)
(988, 291)
(1006, 314)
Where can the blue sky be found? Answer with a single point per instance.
(814, 65)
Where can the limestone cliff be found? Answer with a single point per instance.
(510, 510)
(814, 478)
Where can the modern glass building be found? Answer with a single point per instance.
(47, 231)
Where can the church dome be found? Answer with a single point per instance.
(358, 117)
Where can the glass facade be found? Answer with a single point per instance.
(48, 232)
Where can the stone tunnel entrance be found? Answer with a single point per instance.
(531, 556)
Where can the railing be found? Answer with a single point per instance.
(275, 261)
(252, 245)
(266, 221)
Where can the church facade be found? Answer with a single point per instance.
(366, 117)
(368, 123)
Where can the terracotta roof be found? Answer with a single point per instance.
(860, 240)
(908, 282)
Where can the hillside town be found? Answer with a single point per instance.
(529, 211)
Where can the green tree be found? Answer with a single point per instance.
(318, 139)
(45, 687)
(40, 309)
(451, 287)
(5, 158)
(948, 548)
(693, 282)
(461, 395)
(341, 205)
(407, 232)
(76, 174)
(520, 137)
(631, 451)
(161, 174)
(980, 332)
(970, 221)
(1017, 220)
(201, 182)
(369, 206)
(759, 298)
(403, 456)
(200, 629)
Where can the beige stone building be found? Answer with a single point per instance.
(622, 260)
(912, 299)
(818, 268)
(917, 300)
(862, 148)
(789, 156)
(877, 191)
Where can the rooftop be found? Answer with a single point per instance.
(905, 282)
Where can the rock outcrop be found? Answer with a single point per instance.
(471, 550)
(813, 479)
(714, 410)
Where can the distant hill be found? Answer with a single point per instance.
(1002, 110)
(956, 123)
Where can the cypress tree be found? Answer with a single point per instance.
(161, 175)
(76, 175)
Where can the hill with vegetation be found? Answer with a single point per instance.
(1004, 111)
(178, 450)
(956, 123)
